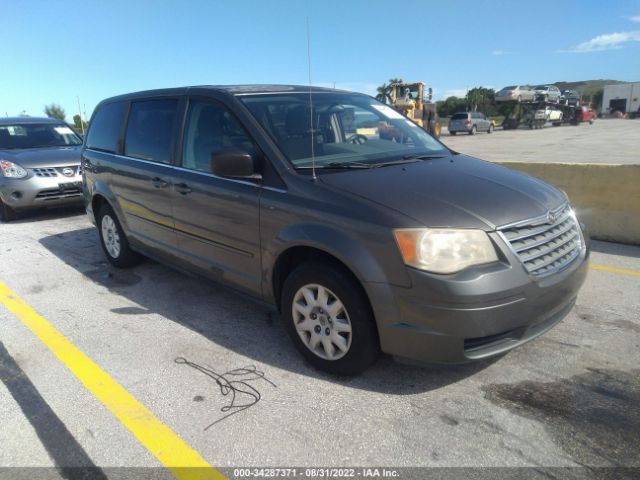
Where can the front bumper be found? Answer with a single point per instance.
(473, 314)
(35, 192)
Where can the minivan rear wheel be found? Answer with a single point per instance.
(113, 240)
(328, 317)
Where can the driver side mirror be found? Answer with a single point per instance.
(234, 163)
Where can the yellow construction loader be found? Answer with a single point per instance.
(408, 98)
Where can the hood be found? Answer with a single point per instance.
(44, 157)
(457, 191)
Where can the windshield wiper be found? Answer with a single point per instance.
(336, 165)
(425, 156)
(408, 159)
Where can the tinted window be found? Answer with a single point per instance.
(150, 130)
(37, 135)
(460, 116)
(106, 126)
(210, 128)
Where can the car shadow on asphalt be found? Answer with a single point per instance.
(43, 214)
(620, 249)
(233, 320)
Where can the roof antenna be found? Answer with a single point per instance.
(313, 157)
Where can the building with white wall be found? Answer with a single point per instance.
(623, 97)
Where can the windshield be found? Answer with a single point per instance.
(460, 116)
(512, 87)
(347, 129)
(540, 87)
(34, 135)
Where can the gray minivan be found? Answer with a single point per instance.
(470, 122)
(365, 232)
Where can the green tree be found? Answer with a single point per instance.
(384, 91)
(55, 111)
(78, 123)
(451, 105)
(382, 94)
(481, 99)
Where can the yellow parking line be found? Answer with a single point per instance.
(172, 452)
(621, 271)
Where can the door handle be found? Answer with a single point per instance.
(159, 183)
(182, 188)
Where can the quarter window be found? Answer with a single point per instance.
(211, 128)
(105, 128)
(150, 130)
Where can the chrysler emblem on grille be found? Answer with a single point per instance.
(551, 217)
(67, 172)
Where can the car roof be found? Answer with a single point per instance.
(23, 120)
(234, 90)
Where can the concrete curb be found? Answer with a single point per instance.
(606, 197)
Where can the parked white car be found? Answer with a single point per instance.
(552, 115)
(518, 93)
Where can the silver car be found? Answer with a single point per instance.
(39, 165)
(470, 122)
(547, 93)
(518, 93)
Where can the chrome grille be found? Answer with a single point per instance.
(58, 193)
(45, 172)
(544, 247)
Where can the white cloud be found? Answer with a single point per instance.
(609, 41)
(635, 18)
(500, 53)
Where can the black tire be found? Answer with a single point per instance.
(125, 257)
(364, 348)
(7, 214)
(453, 133)
(473, 130)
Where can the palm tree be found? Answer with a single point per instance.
(384, 90)
(383, 93)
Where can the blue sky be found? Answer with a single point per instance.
(55, 51)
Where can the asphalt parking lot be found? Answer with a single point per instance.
(567, 399)
(611, 141)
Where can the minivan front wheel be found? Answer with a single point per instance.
(114, 242)
(329, 319)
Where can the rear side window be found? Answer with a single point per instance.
(106, 126)
(150, 130)
(460, 116)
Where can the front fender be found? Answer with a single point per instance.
(348, 249)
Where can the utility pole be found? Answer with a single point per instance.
(80, 113)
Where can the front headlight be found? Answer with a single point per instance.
(12, 170)
(444, 250)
